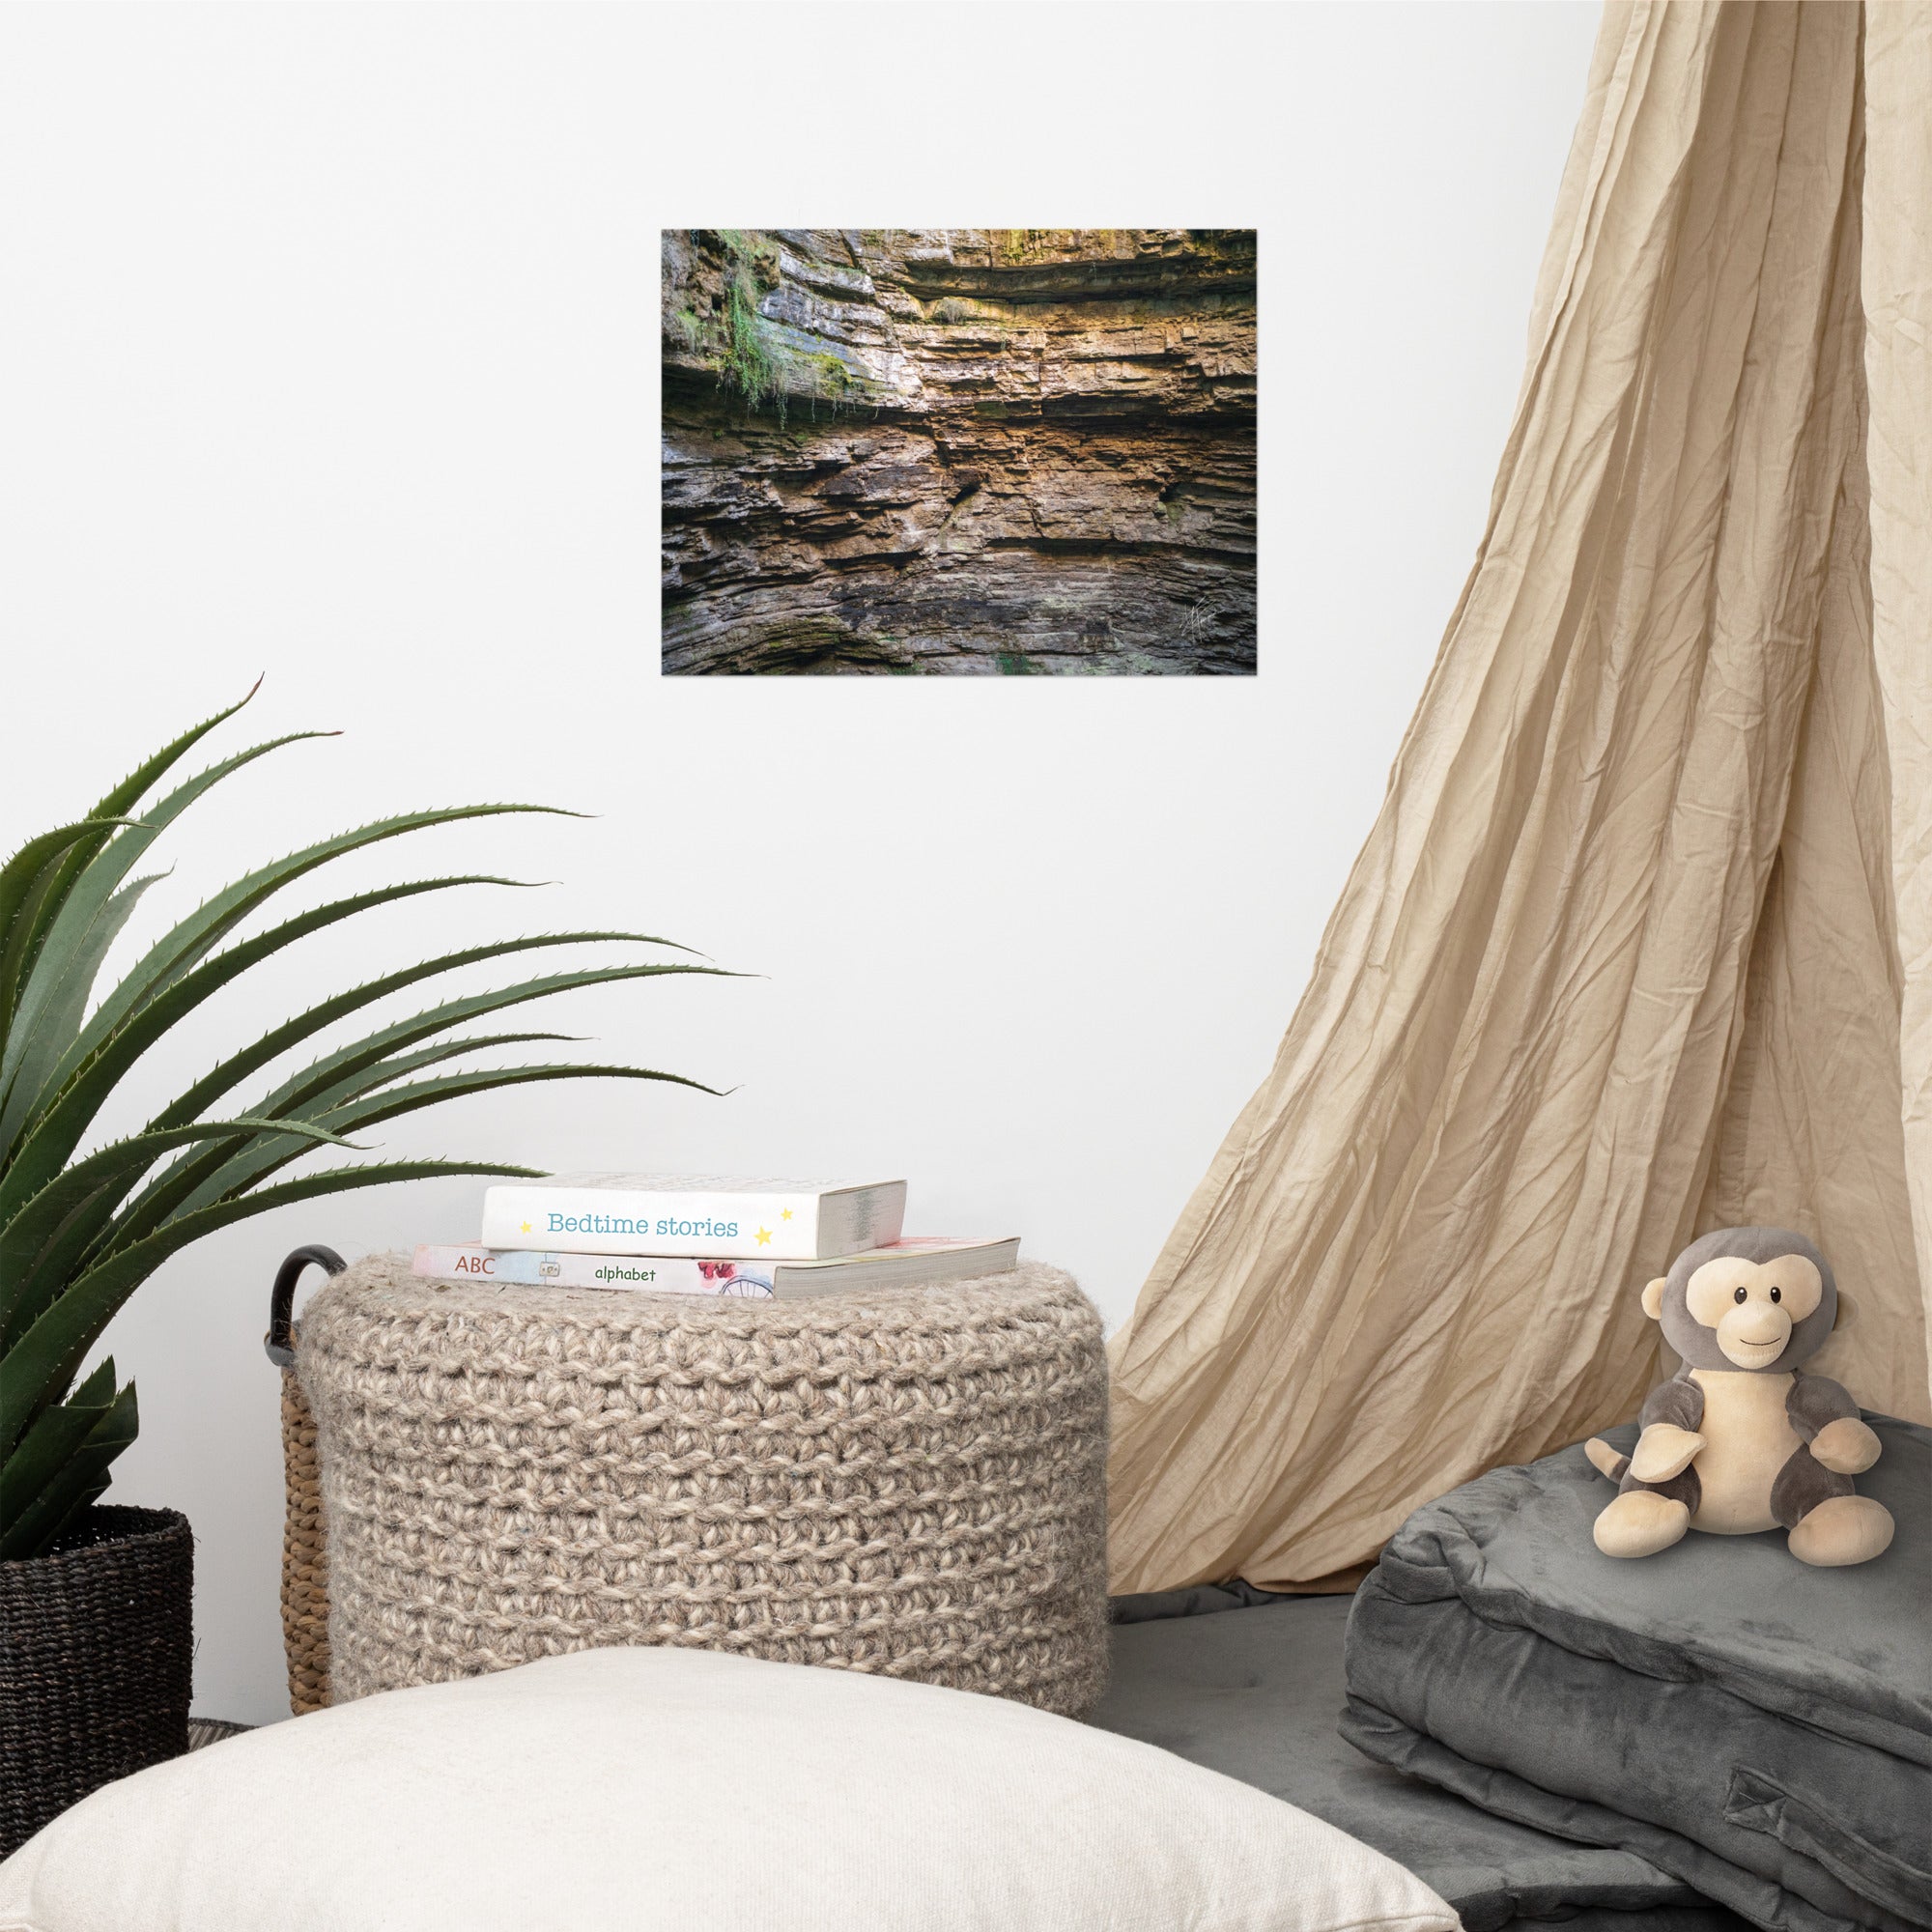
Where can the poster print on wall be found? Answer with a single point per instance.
(959, 451)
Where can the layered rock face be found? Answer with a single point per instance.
(959, 451)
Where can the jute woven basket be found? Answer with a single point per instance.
(304, 1548)
(905, 1481)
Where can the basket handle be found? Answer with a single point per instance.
(279, 1342)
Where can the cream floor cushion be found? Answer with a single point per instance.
(669, 1788)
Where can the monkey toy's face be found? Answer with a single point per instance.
(1755, 1298)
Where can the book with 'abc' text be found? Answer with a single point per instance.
(910, 1263)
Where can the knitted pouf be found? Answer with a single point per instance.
(906, 1481)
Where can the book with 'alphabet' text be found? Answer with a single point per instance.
(916, 1262)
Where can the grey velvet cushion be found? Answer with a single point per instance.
(1759, 1729)
(1250, 1685)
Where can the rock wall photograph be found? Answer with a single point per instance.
(959, 451)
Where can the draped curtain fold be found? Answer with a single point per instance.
(1639, 943)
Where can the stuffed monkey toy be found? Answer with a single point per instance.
(1741, 1438)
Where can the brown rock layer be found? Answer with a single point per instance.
(959, 451)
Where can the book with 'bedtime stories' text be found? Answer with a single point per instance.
(694, 1215)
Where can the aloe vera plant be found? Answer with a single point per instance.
(80, 1232)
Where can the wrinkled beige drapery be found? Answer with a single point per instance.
(1641, 942)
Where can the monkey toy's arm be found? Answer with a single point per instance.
(1669, 1439)
(1828, 1419)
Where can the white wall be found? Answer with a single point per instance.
(327, 349)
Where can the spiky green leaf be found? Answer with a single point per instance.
(28, 1228)
(76, 1480)
(60, 1019)
(194, 937)
(48, 1445)
(229, 1074)
(51, 889)
(182, 1181)
(37, 861)
(37, 1367)
(113, 1057)
(64, 947)
(263, 1156)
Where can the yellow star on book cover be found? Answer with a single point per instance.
(764, 1235)
(527, 1227)
(785, 1214)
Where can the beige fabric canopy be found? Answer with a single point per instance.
(1641, 942)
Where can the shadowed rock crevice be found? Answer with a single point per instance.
(959, 452)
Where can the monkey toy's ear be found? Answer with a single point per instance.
(1652, 1297)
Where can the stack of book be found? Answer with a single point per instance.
(703, 1235)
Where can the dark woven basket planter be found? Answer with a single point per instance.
(95, 1657)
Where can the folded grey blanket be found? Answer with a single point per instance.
(1249, 1683)
(1760, 1729)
